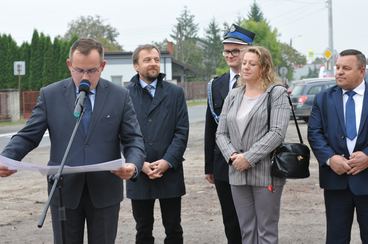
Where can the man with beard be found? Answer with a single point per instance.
(162, 114)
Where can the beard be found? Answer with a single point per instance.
(152, 74)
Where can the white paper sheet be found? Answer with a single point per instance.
(50, 170)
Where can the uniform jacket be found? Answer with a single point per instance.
(214, 161)
(256, 141)
(327, 137)
(165, 127)
(113, 122)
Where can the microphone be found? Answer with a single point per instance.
(84, 87)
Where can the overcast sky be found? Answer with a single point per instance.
(144, 21)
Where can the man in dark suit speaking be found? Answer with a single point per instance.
(88, 197)
(163, 117)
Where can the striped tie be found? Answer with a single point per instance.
(86, 119)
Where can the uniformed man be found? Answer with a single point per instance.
(216, 168)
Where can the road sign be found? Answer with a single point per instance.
(328, 54)
(19, 68)
(310, 54)
(283, 71)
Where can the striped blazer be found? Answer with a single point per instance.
(256, 141)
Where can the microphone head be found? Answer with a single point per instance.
(84, 85)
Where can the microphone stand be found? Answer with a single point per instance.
(58, 182)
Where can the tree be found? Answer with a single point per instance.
(266, 37)
(185, 36)
(290, 58)
(255, 13)
(188, 47)
(94, 27)
(49, 66)
(36, 61)
(24, 54)
(8, 54)
(213, 49)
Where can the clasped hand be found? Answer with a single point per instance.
(155, 169)
(357, 162)
(239, 162)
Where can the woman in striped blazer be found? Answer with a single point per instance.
(246, 142)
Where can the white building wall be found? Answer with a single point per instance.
(124, 68)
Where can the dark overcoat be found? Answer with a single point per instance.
(165, 127)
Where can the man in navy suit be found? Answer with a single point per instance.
(216, 167)
(338, 135)
(93, 198)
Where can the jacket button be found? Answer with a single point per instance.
(149, 120)
(241, 151)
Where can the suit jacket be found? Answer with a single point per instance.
(256, 141)
(214, 161)
(113, 122)
(327, 137)
(165, 127)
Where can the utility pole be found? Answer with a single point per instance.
(330, 35)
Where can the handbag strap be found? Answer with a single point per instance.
(292, 110)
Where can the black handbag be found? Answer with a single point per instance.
(289, 160)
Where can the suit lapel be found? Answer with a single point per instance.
(234, 105)
(160, 94)
(339, 107)
(224, 86)
(364, 115)
(101, 94)
(70, 94)
(251, 113)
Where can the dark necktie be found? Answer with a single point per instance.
(86, 119)
(351, 131)
(236, 80)
(150, 89)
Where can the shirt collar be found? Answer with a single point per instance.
(359, 89)
(93, 92)
(144, 84)
(232, 74)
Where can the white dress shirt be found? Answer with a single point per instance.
(358, 100)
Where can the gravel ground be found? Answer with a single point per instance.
(22, 197)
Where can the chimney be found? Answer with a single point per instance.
(170, 47)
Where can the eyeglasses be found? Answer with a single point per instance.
(81, 72)
(234, 52)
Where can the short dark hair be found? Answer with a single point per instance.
(358, 54)
(135, 55)
(85, 46)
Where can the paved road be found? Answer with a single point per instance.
(196, 114)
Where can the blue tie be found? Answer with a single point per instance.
(86, 119)
(351, 131)
(150, 89)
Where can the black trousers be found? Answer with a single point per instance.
(340, 206)
(229, 217)
(171, 218)
(102, 223)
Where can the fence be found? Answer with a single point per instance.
(4, 107)
(193, 90)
